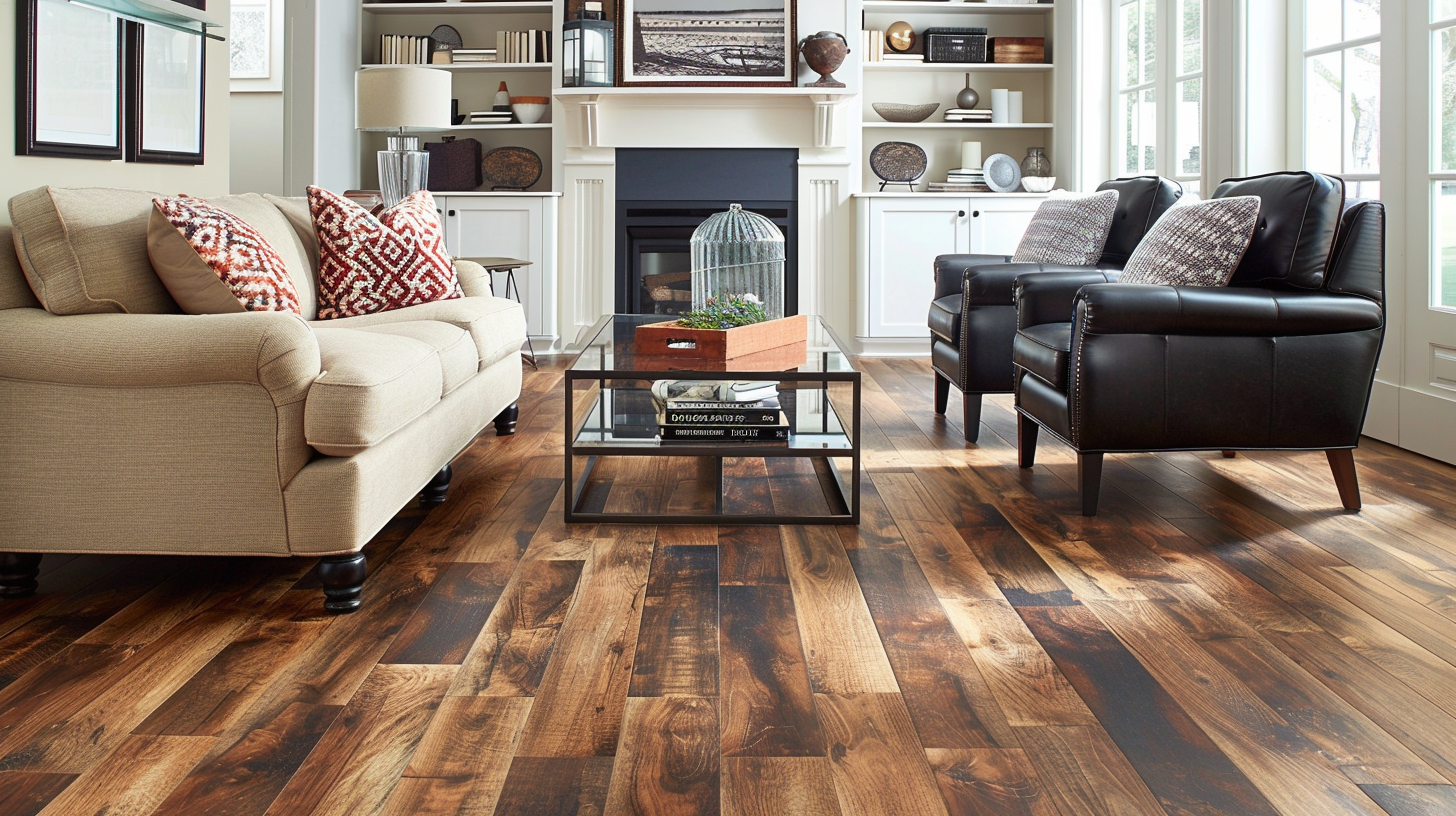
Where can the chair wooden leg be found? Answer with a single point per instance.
(942, 394)
(343, 579)
(505, 421)
(437, 489)
(17, 574)
(1089, 480)
(971, 416)
(1026, 429)
(1229, 454)
(1342, 465)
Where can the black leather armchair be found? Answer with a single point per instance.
(1283, 359)
(973, 320)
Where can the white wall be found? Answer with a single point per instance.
(257, 143)
(21, 173)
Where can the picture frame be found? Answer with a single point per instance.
(706, 43)
(165, 95)
(255, 46)
(69, 80)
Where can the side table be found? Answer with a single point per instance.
(513, 290)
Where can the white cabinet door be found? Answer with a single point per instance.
(997, 225)
(510, 227)
(905, 235)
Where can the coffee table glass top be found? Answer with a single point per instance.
(611, 351)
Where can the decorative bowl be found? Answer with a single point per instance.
(897, 112)
(1038, 184)
(529, 109)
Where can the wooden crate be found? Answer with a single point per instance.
(1016, 49)
(759, 344)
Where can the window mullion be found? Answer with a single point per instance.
(1169, 40)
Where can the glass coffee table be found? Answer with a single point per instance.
(821, 400)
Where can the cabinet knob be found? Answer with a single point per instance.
(960, 214)
(452, 213)
(975, 213)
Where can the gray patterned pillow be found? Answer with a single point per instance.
(1195, 244)
(1068, 230)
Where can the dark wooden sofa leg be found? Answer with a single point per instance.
(971, 416)
(1026, 429)
(942, 394)
(505, 421)
(343, 578)
(1342, 465)
(439, 485)
(17, 574)
(1089, 481)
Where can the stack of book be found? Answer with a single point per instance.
(489, 117)
(961, 180)
(720, 411)
(896, 57)
(402, 49)
(967, 115)
(872, 45)
(473, 55)
(533, 45)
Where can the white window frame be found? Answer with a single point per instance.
(1167, 77)
(1301, 55)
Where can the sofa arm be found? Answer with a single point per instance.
(1052, 297)
(950, 270)
(995, 284)
(1124, 308)
(276, 350)
(474, 280)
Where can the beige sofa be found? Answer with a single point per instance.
(128, 427)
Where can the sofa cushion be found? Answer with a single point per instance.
(1068, 230)
(1043, 350)
(945, 318)
(265, 217)
(497, 325)
(84, 251)
(295, 210)
(1299, 213)
(369, 265)
(213, 262)
(370, 386)
(454, 345)
(1196, 244)
(14, 289)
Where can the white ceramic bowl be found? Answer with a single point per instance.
(529, 113)
(1038, 184)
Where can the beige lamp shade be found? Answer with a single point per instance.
(404, 97)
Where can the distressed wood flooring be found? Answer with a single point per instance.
(1220, 640)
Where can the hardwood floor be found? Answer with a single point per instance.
(1220, 639)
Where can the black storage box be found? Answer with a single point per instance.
(955, 44)
(454, 165)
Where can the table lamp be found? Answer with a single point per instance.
(394, 99)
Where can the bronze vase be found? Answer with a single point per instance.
(824, 53)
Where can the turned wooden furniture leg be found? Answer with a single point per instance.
(343, 578)
(1229, 454)
(942, 394)
(17, 574)
(971, 416)
(1342, 465)
(434, 493)
(1026, 429)
(1089, 480)
(505, 421)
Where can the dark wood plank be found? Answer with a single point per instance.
(1414, 800)
(750, 556)
(134, 778)
(766, 707)
(26, 793)
(575, 786)
(510, 654)
(677, 646)
(878, 765)
(667, 760)
(449, 619)
(989, 782)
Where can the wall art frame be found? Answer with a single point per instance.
(166, 95)
(69, 75)
(707, 43)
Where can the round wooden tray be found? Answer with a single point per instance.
(511, 168)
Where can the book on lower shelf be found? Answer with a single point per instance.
(715, 390)
(710, 412)
(736, 432)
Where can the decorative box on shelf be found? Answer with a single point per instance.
(1017, 49)
(772, 345)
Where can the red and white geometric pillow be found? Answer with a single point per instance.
(369, 264)
(213, 262)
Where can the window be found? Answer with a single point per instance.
(1150, 138)
(1342, 92)
(1443, 152)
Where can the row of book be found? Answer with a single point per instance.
(961, 180)
(872, 45)
(461, 56)
(490, 117)
(403, 49)
(968, 115)
(532, 45)
(701, 411)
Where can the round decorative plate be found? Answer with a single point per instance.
(898, 162)
(446, 37)
(512, 168)
(1003, 174)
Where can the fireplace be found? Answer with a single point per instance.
(664, 194)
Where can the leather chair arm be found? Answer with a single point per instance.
(996, 284)
(1051, 297)
(276, 350)
(949, 270)
(1220, 312)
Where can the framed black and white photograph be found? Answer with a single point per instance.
(164, 98)
(708, 42)
(70, 81)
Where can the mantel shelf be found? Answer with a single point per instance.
(826, 102)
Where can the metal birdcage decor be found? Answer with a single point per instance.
(739, 253)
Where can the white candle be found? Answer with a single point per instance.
(970, 155)
(1000, 105)
(1015, 112)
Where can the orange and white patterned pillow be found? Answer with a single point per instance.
(369, 264)
(213, 262)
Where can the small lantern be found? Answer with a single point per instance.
(588, 48)
(739, 253)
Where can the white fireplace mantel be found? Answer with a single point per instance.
(588, 102)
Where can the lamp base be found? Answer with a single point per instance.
(403, 169)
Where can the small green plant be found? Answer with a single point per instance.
(725, 313)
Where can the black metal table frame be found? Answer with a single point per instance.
(843, 499)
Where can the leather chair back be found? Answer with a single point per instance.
(1299, 214)
(1141, 201)
(1359, 264)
